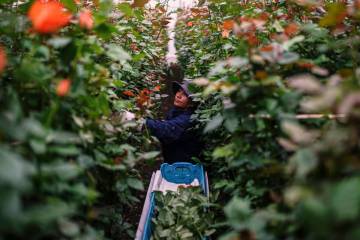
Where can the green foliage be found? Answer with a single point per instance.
(66, 156)
(182, 215)
(261, 64)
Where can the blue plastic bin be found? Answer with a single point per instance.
(179, 173)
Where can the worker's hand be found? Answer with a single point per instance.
(140, 124)
(127, 116)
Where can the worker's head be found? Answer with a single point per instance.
(181, 99)
(182, 94)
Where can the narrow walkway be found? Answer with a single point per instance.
(174, 73)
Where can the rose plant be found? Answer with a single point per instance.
(262, 66)
(67, 161)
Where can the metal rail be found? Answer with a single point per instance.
(301, 116)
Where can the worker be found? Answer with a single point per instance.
(179, 141)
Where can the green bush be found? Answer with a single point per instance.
(67, 158)
(182, 215)
(262, 66)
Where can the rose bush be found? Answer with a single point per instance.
(69, 71)
(266, 64)
(66, 158)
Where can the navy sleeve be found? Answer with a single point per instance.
(168, 131)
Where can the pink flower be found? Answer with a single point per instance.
(85, 19)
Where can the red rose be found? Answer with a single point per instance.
(48, 16)
(63, 87)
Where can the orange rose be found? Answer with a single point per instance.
(252, 39)
(128, 93)
(157, 88)
(228, 24)
(63, 87)
(267, 48)
(225, 33)
(307, 65)
(291, 29)
(3, 59)
(48, 16)
(85, 19)
(143, 98)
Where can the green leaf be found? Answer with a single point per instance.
(69, 228)
(105, 7)
(14, 170)
(231, 124)
(345, 200)
(288, 44)
(135, 183)
(304, 161)
(49, 212)
(238, 210)
(69, 150)
(11, 206)
(313, 212)
(34, 128)
(68, 53)
(69, 4)
(62, 170)
(112, 167)
(33, 71)
(224, 151)
(288, 57)
(125, 8)
(220, 184)
(150, 155)
(277, 26)
(59, 42)
(117, 53)
(38, 146)
(42, 52)
(62, 137)
(86, 194)
(214, 123)
(139, 57)
(105, 30)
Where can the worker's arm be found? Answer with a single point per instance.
(168, 131)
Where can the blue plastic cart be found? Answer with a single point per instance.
(168, 179)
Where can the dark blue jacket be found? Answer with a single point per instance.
(179, 141)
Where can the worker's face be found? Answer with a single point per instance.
(181, 100)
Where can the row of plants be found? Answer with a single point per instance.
(267, 69)
(68, 69)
